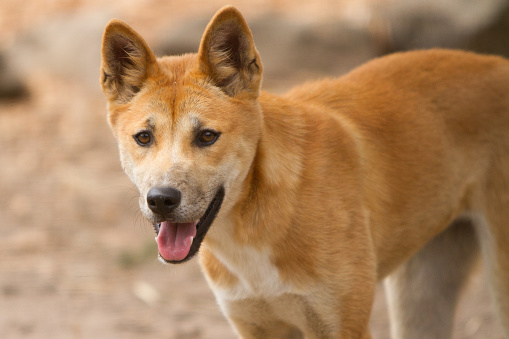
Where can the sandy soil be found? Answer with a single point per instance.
(76, 258)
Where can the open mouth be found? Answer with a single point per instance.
(179, 242)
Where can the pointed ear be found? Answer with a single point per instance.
(228, 56)
(126, 61)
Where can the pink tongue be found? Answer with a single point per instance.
(174, 240)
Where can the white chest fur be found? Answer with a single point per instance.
(257, 275)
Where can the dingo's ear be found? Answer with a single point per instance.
(126, 61)
(228, 56)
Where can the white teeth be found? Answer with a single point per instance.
(155, 239)
(192, 238)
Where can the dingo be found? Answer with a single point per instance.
(299, 204)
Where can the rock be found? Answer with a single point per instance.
(66, 46)
(288, 48)
(11, 85)
(493, 38)
(292, 48)
(412, 24)
(146, 292)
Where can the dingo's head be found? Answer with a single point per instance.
(187, 126)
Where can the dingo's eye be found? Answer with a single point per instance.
(207, 137)
(143, 138)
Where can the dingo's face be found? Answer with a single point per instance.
(187, 127)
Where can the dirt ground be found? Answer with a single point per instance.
(77, 260)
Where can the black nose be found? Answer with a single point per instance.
(162, 201)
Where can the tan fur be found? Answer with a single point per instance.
(401, 166)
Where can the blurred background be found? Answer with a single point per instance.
(76, 258)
